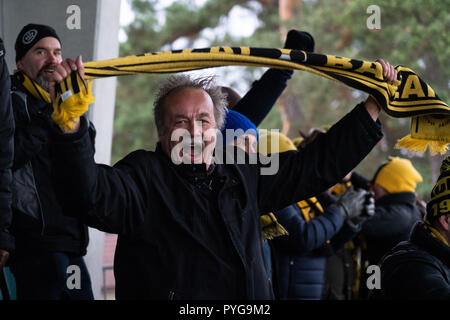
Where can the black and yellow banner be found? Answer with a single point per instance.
(409, 96)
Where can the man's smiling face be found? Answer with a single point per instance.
(189, 111)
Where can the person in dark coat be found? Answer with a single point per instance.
(420, 267)
(6, 161)
(47, 241)
(394, 185)
(189, 226)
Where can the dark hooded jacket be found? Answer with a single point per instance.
(395, 216)
(416, 269)
(185, 233)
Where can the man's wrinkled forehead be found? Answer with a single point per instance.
(48, 43)
(189, 102)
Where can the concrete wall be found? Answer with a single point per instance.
(85, 27)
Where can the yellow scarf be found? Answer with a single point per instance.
(435, 233)
(408, 97)
(310, 208)
(341, 187)
(73, 97)
(32, 87)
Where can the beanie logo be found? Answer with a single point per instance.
(29, 36)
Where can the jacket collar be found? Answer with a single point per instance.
(400, 197)
(422, 237)
(194, 173)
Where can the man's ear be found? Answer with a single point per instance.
(444, 221)
(19, 65)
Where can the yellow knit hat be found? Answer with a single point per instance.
(265, 142)
(397, 175)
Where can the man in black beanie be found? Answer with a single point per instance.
(40, 62)
(47, 241)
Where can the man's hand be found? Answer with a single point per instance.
(3, 258)
(61, 72)
(390, 75)
(352, 202)
(367, 212)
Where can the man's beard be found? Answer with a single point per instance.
(44, 84)
(41, 81)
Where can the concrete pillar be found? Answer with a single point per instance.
(85, 27)
(106, 46)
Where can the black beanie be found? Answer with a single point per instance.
(30, 35)
(439, 203)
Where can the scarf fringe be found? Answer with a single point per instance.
(421, 145)
(274, 230)
(72, 108)
(271, 227)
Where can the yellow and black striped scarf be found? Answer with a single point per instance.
(409, 96)
(73, 97)
(32, 87)
(434, 233)
(310, 208)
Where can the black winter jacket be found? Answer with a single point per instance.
(38, 221)
(416, 269)
(395, 216)
(178, 242)
(6, 155)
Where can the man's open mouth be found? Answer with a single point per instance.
(48, 70)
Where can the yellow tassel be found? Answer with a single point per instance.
(421, 145)
(72, 108)
(274, 230)
(271, 227)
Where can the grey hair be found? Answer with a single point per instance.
(176, 82)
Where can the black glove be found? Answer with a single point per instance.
(352, 202)
(299, 40)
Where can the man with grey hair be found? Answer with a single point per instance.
(192, 230)
(172, 120)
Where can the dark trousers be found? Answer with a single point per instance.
(51, 276)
